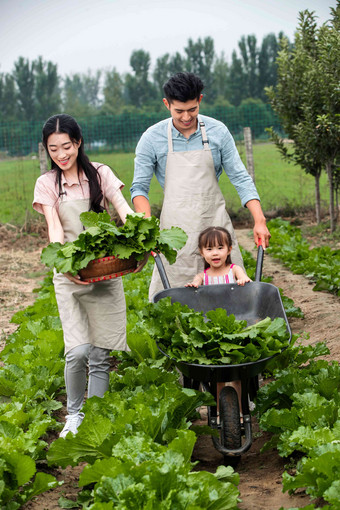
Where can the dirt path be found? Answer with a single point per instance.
(20, 272)
(260, 474)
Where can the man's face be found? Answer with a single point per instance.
(184, 115)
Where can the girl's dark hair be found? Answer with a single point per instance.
(63, 123)
(183, 87)
(214, 236)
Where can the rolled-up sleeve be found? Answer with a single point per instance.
(110, 183)
(44, 193)
(236, 170)
(145, 164)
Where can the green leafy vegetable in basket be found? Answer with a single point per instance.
(102, 237)
(214, 339)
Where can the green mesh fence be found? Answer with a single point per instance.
(121, 133)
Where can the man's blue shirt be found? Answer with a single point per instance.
(152, 151)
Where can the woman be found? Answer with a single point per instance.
(93, 315)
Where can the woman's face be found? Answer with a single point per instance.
(63, 152)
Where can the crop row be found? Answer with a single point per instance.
(138, 447)
(320, 264)
(140, 439)
(301, 410)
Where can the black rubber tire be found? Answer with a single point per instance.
(230, 423)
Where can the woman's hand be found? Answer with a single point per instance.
(142, 263)
(75, 279)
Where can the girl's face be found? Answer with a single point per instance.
(216, 255)
(63, 151)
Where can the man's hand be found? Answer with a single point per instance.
(262, 233)
(260, 228)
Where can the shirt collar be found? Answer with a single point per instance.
(82, 178)
(178, 134)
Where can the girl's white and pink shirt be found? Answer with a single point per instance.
(213, 280)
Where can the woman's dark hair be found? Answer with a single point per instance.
(214, 236)
(183, 87)
(63, 123)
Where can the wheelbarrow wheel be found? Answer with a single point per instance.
(230, 423)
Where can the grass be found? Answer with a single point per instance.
(280, 185)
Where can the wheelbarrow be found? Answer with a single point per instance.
(252, 302)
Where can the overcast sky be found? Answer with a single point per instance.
(101, 34)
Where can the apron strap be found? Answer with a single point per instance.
(205, 140)
(170, 146)
(62, 191)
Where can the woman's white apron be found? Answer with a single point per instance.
(90, 314)
(193, 201)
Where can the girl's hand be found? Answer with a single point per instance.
(75, 279)
(196, 282)
(244, 279)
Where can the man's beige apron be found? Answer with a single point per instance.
(193, 201)
(90, 314)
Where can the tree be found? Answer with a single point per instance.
(46, 89)
(81, 94)
(221, 73)
(267, 67)
(249, 53)
(167, 66)
(113, 92)
(307, 100)
(8, 98)
(24, 79)
(139, 90)
(238, 81)
(200, 60)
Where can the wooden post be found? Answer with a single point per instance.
(42, 158)
(249, 151)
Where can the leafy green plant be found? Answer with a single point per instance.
(301, 409)
(216, 338)
(144, 399)
(29, 381)
(102, 237)
(321, 264)
(144, 474)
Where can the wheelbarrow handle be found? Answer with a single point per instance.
(161, 270)
(259, 261)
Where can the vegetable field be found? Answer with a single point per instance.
(259, 478)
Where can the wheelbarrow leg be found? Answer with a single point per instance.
(190, 383)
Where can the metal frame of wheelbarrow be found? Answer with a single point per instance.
(252, 302)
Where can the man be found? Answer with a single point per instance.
(187, 154)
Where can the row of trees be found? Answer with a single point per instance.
(307, 101)
(34, 90)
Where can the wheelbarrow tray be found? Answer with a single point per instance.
(252, 302)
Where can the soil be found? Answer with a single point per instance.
(260, 473)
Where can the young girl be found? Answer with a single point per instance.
(215, 245)
(93, 315)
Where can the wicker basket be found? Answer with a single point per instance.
(107, 268)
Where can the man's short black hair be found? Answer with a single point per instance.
(183, 87)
